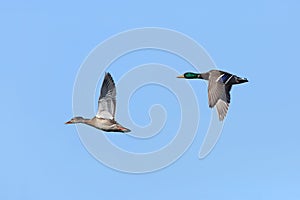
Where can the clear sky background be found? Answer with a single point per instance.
(43, 45)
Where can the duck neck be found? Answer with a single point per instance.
(83, 120)
(86, 121)
(204, 76)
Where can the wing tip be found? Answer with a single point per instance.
(222, 109)
(107, 74)
(108, 79)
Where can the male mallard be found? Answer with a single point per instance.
(219, 86)
(105, 118)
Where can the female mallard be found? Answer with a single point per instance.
(105, 118)
(219, 86)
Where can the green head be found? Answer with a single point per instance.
(189, 75)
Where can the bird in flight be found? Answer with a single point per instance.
(105, 117)
(219, 86)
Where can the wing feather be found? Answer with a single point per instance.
(218, 94)
(107, 99)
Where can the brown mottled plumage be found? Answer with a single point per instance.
(105, 118)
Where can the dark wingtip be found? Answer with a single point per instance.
(107, 74)
(108, 78)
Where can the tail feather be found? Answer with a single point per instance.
(241, 80)
(123, 129)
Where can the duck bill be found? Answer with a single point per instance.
(181, 76)
(68, 122)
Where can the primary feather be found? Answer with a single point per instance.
(107, 99)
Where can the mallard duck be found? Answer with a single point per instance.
(219, 86)
(105, 118)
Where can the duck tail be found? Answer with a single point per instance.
(123, 129)
(241, 80)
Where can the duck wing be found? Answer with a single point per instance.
(218, 92)
(107, 99)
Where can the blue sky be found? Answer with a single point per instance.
(43, 46)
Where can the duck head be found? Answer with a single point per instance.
(75, 120)
(190, 75)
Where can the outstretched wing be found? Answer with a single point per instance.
(218, 92)
(107, 99)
